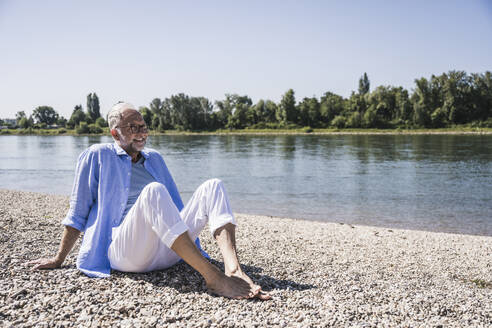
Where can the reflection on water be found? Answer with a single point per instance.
(429, 182)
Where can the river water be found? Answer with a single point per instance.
(424, 182)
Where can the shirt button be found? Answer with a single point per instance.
(128, 173)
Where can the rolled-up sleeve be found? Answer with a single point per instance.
(84, 190)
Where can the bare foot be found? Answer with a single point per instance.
(259, 293)
(231, 287)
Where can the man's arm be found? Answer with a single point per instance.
(70, 236)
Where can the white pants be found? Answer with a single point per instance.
(143, 240)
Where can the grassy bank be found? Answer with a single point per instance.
(300, 131)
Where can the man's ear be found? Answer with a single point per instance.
(115, 135)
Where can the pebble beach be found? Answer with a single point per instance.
(319, 275)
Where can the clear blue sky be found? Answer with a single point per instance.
(56, 52)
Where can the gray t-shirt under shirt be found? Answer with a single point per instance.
(139, 179)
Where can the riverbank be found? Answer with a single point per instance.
(319, 274)
(300, 131)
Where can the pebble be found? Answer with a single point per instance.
(319, 274)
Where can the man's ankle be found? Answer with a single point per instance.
(213, 275)
(233, 269)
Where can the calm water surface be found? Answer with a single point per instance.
(425, 182)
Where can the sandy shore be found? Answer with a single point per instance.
(320, 274)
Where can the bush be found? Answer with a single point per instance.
(307, 129)
(82, 128)
(483, 124)
(397, 123)
(260, 125)
(62, 131)
(288, 126)
(93, 128)
(339, 122)
(354, 120)
(24, 123)
(439, 118)
(370, 118)
(100, 122)
(268, 125)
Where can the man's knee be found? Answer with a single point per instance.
(154, 187)
(213, 183)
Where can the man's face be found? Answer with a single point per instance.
(131, 133)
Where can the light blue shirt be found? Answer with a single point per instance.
(99, 197)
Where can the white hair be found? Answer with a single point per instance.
(114, 115)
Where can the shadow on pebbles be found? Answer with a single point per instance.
(319, 274)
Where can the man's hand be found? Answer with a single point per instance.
(45, 263)
(69, 238)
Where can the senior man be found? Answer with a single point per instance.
(127, 204)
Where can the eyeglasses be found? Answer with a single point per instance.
(136, 128)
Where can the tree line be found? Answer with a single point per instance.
(450, 99)
(89, 121)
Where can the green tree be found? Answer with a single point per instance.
(146, 115)
(481, 94)
(309, 112)
(77, 116)
(270, 111)
(101, 123)
(156, 106)
(383, 100)
(439, 118)
(239, 118)
(403, 105)
(233, 111)
(287, 110)
(61, 121)
(355, 103)
(18, 116)
(339, 122)
(82, 128)
(371, 119)
(161, 110)
(188, 113)
(95, 129)
(264, 111)
(421, 100)
(258, 111)
(354, 120)
(155, 122)
(225, 107)
(45, 114)
(331, 106)
(93, 109)
(24, 123)
(180, 110)
(204, 109)
(457, 101)
(364, 84)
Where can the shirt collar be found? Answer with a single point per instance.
(121, 152)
